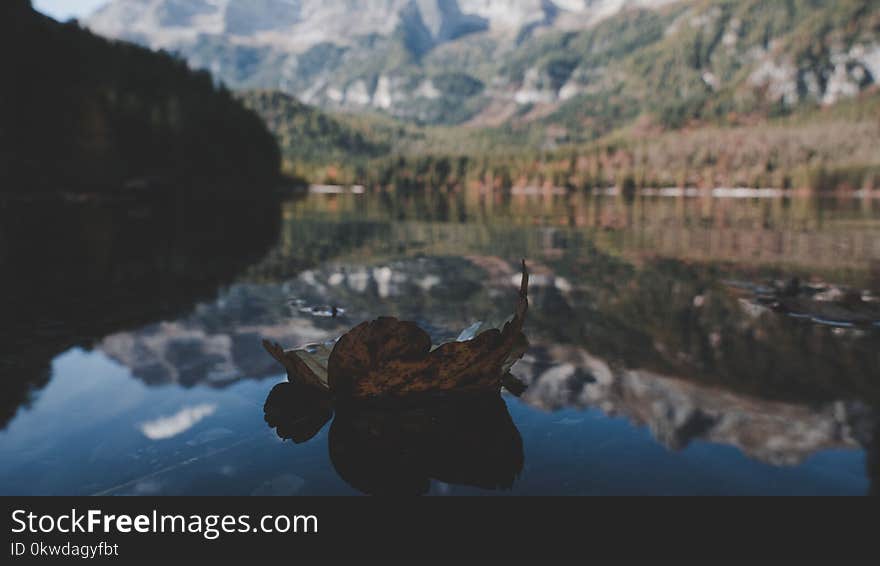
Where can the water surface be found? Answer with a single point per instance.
(678, 345)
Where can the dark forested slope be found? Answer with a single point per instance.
(85, 114)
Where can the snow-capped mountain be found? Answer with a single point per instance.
(493, 61)
(300, 24)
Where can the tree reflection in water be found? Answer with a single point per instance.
(76, 273)
(670, 321)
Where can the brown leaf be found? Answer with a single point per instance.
(301, 367)
(371, 345)
(392, 358)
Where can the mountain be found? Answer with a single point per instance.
(585, 65)
(296, 25)
(410, 58)
(85, 114)
(309, 137)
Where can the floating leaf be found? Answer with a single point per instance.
(387, 357)
(302, 366)
(469, 332)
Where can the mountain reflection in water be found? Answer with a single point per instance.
(74, 273)
(646, 311)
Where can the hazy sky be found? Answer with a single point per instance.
(63, 10)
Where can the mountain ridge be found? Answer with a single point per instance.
(298, 24)
(584, 65)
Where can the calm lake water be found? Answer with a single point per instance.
(678, 345)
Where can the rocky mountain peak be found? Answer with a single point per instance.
(299, 24)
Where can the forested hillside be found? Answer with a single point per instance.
(582, 67)
(86, 114)
(721, 60)
(311, 138)
(694, 92)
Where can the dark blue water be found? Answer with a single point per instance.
(667, 355)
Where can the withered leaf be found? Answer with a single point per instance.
(372, 345)
(392, 358)
(303, 367)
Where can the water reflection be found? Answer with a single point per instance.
(468, 440)
(704, 321)
(74, 273)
